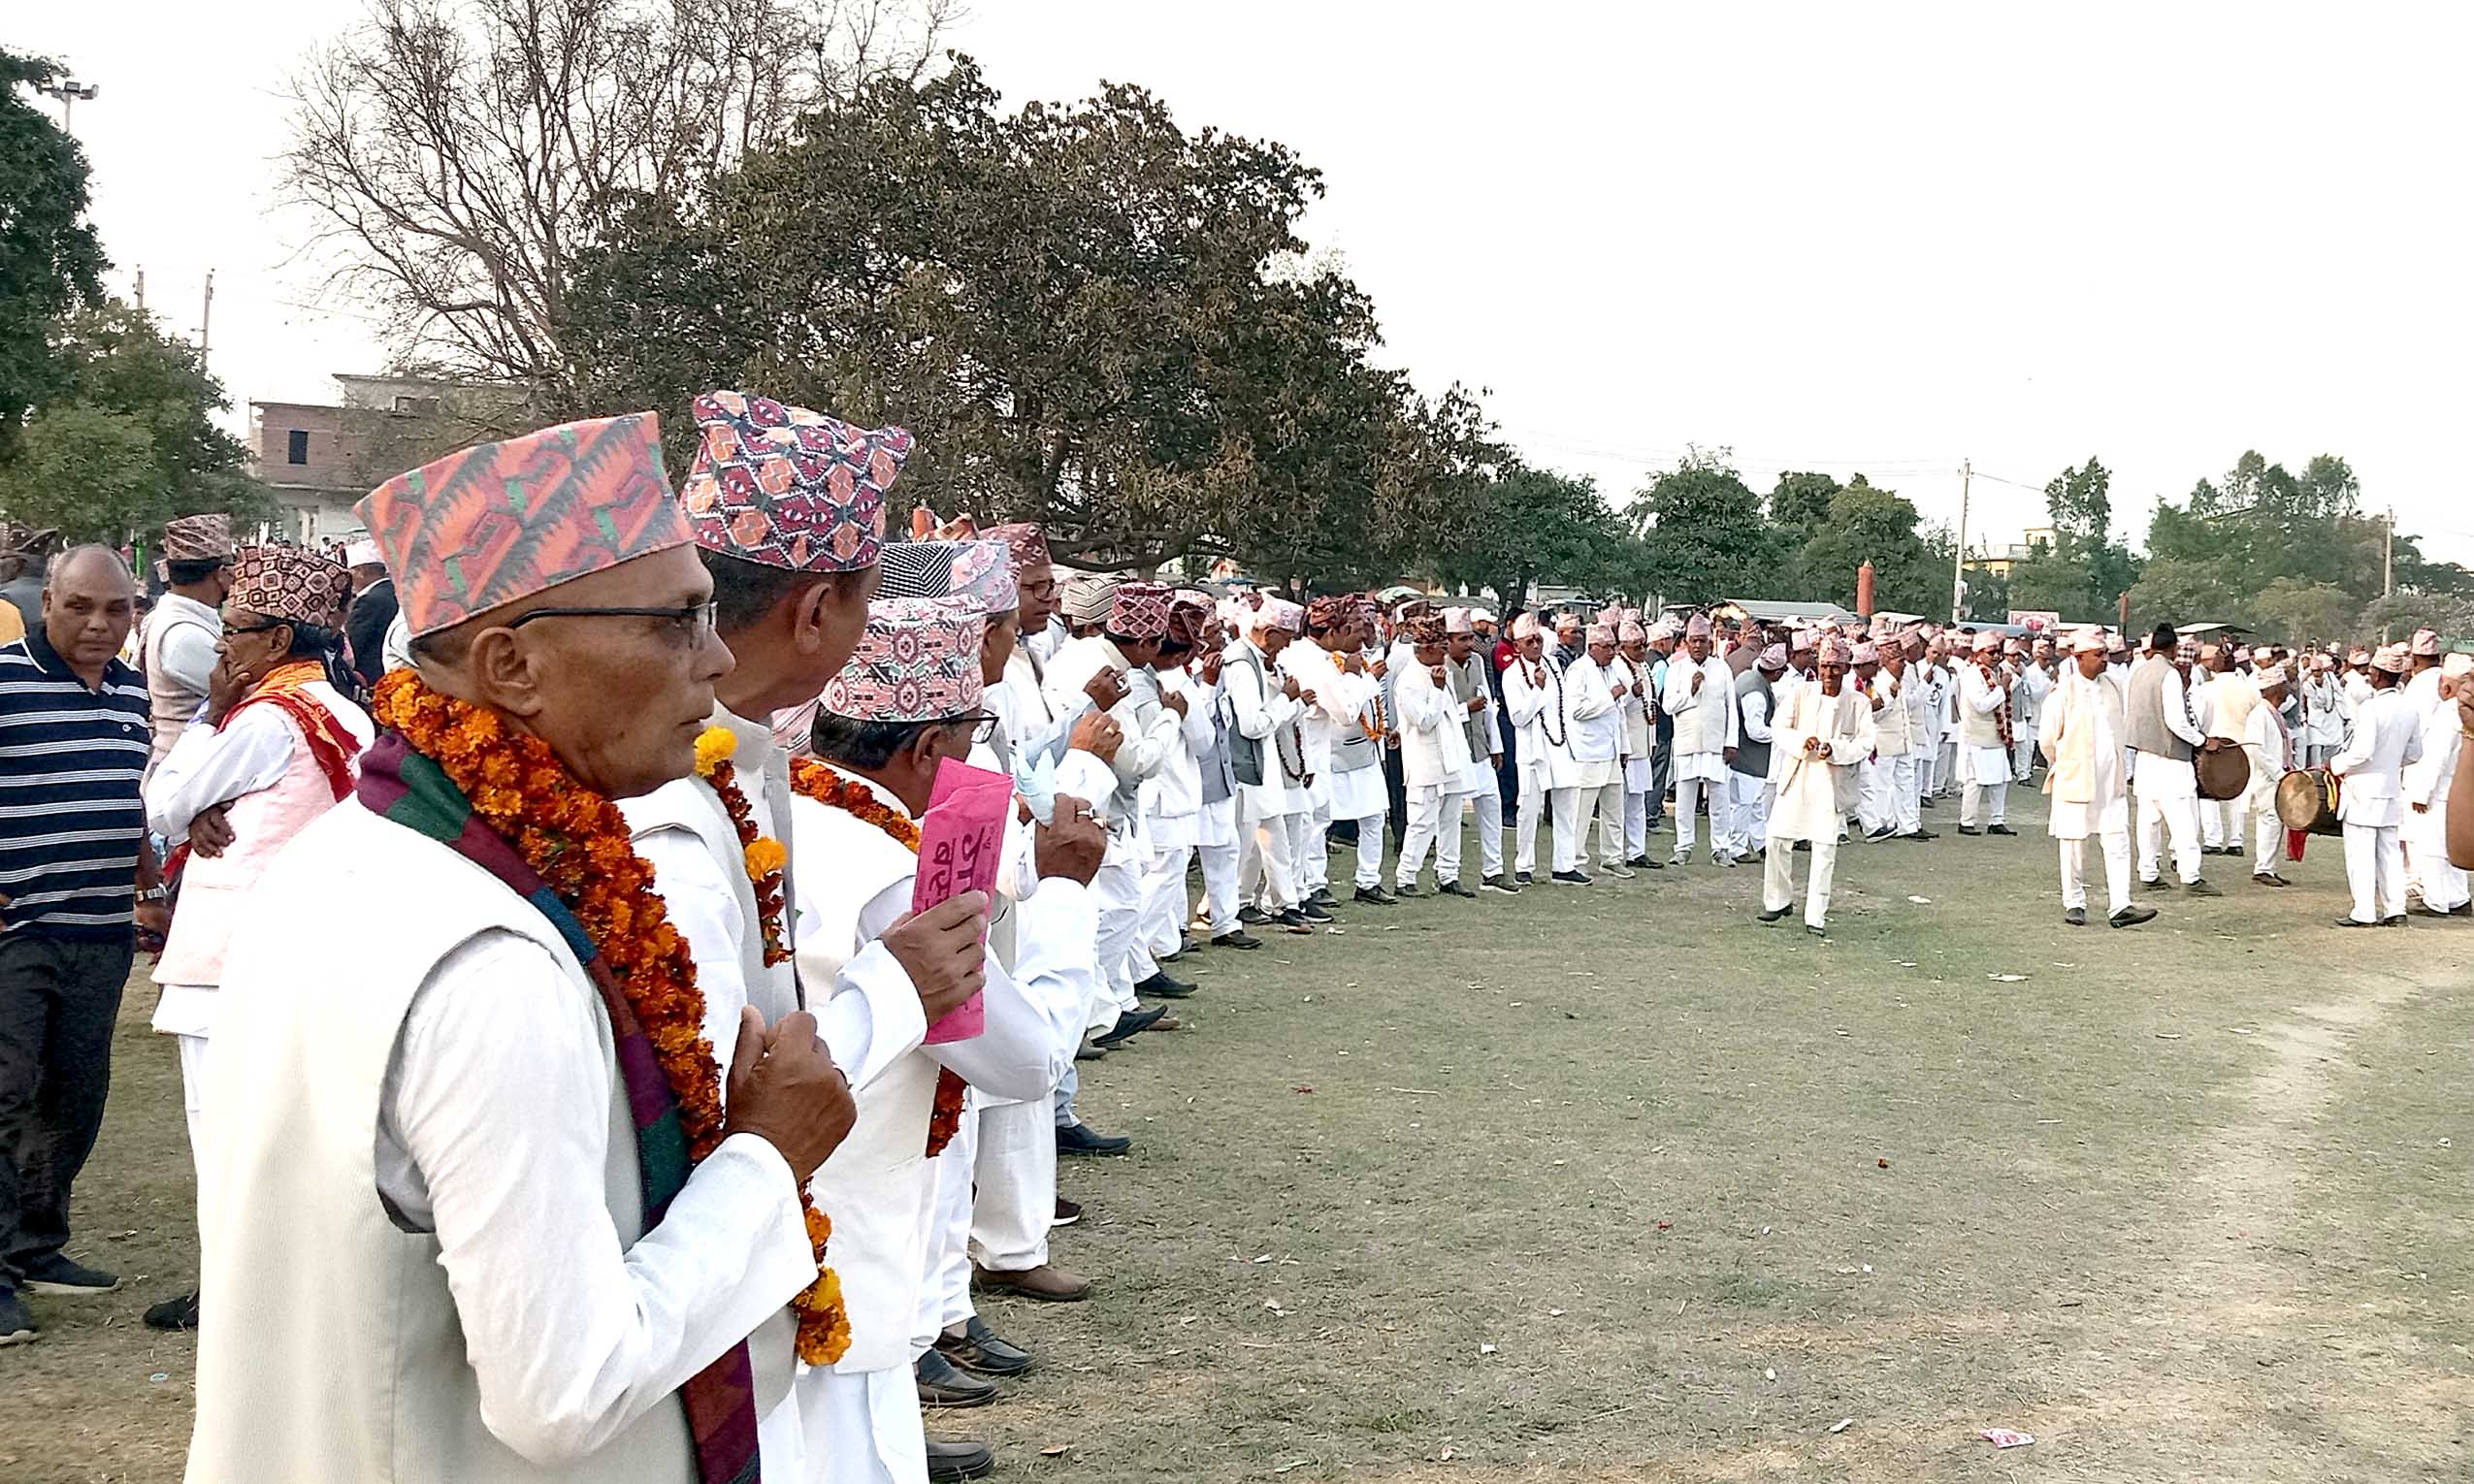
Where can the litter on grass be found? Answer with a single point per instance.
(2007, 1437)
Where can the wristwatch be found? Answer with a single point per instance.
(155, 895)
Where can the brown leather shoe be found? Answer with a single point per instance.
(1045, 1284)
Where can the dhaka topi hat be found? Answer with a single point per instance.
(1698, 627)
(1086, 600)
(2457, 666)
(1630, 632)
(1835, 651)
(1422, 629)
(1188, 614)
(287, 583)
(2271, 677)
(498, 522)
(1026, 544)
(1525, 626)
(918, 661)
(786, 487)
(2357, 655)
(197, 538)
(1329, 612)
(363, 553)
(2427, 641)
(1139, 610)
(1774, 659)
(1602, 634)
(980, 570)
(1988, 642)
(1457, 621)
(2088, 641)
(1868, 653)
(2390, 658)
(1280, 613)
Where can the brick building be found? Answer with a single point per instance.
(321, 458)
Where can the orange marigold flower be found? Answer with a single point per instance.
(767, 857)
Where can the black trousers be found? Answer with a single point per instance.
(1396, 788)
(59, 998)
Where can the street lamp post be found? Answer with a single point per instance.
(69, 90)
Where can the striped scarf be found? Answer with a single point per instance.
(409, 789)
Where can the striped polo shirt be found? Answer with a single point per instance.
(71, 816)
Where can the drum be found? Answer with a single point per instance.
(2224, 773)
(2306, 800)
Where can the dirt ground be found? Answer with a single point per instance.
(1617, 1183)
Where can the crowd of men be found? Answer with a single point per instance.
(673, 1135)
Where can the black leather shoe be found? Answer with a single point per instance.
(2354, 923)
(1294, 921)
(1405, 890)
(1321, 898)
(1529, 877)
(1067, 1212)
(1500, 884)
(1131, 1023)
(1769, 917)
(2200, 888)
(1970, 829)
(2076, 917)
(2393, 920)
(1237, 938)
(1090, 1051)
(1160, 987)
(1455, 889)
(1920, 834)
(1078, 1139)
(1642, 862)
(1817, 930)
(1999, 829)
(1571, 877)
(955, 1458)
(1252, 916)
(1377, 896)
(181, 1314)
(2270, 879)
(941, 1384)
(979, 1350)
(2133, 916)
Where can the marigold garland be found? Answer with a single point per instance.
(766, 858)
(578, 841)
(857, 799)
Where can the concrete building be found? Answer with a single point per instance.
(321, 458)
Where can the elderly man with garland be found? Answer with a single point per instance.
(1751, 773)
(1434, 761)
(1699, 693)
(1985, 738)
(2081, 735)
(2387, 740)
(538, 1246)
(1358, 790)
(277, 745)
(1268, 754)
(1586, 769)
(1823, 729)
(1328, 667)
(1637, 676)
(1480, 720)
(1533, 707)
(907, 702)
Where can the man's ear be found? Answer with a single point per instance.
(504, 671)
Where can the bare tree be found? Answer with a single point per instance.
(456, 154)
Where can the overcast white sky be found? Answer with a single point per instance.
(1884, 237)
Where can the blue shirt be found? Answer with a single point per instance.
(71, 819)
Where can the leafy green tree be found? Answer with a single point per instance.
(1707, 538)
(131, 441)
(1087, 313)
(1865, 524)
(2294, 611)
(50, 261)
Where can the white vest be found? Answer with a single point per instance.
(346, 1359)
(761, 771)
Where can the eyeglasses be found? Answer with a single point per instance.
(267, 627)
(692, 623)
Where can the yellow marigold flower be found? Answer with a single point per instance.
(714, 746)
(765, 856)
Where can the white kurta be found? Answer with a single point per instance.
(2076, 718)
(1704, 720)
(1807, 806)
(1592, 730)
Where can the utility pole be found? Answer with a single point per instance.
(2388, 561)
(205, 318)
(141, 291)
(68, 90)
(1959, 559)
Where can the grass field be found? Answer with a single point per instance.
(1617, 1183)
